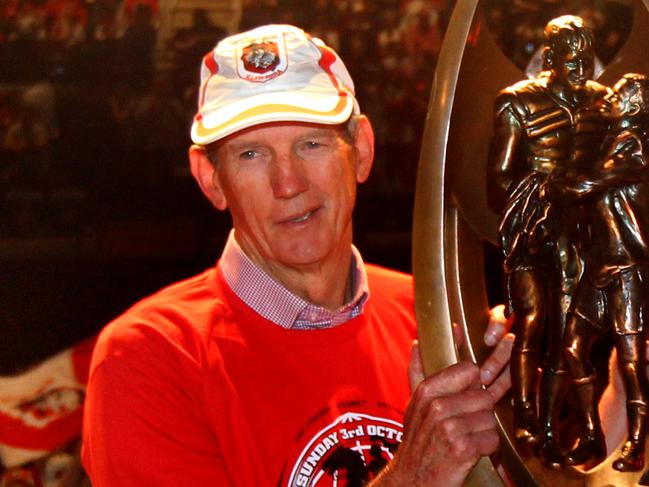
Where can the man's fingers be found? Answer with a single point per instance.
(458, 335)
(453, 379)
(469, 436)
(416, 367)
(434, 398)
(459, 405)
(498, 325)
(486, 442)
(449, 425)
(449, 418)
(501, 385)
(454, 428)
(497, 361)
(447, 382)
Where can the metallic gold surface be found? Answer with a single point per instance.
(452, 218)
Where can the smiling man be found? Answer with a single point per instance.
(290, 188)
(286, 363)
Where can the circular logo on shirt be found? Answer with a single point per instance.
(347, 453)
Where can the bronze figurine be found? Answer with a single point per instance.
(612, 294)
(456, 221)
(549, 126)
(569, 176)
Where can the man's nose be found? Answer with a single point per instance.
(288, 178)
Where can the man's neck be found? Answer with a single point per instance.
(326, 283)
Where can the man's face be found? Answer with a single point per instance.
(573, 67)
(291, 189)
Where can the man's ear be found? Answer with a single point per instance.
(207, 177)
(364, 144)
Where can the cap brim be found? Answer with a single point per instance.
(267, 109)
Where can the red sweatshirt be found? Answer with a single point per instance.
(191, 387)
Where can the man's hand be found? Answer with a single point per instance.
(449, 422)
(494, 372)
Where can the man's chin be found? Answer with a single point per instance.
(303, 255)
(302, 260)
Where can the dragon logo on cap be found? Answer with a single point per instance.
(260, 57)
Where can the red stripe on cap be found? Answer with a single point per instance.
(328, 58)
(213, 67)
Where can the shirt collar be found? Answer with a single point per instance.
(274, 302)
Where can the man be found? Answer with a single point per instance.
(614, 289)
(286, 363)
(543, 126)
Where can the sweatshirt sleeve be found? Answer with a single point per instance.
(144, 423)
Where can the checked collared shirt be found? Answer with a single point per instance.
(274, 302)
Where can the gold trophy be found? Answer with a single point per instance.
(543, 167)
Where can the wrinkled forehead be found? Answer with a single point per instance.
(271, 132)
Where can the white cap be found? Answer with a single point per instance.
(274, 73)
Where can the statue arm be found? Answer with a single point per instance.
(623, 165)
(504, 150)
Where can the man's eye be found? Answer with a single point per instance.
(312, 144)
(248, 154)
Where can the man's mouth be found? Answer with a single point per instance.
(302, 217)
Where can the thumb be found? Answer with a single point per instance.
(458, 335)
(416, 367)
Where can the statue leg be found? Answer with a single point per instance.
(630, 350)
(585, 324)
(568, 267)
(553, 384)
(591, 447)
(552, 392)
(528, 301)
(625, 300)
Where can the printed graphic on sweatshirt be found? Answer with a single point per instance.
(347, 453)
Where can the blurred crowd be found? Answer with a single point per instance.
(88, 104)
(71, 22)
(94, 106)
